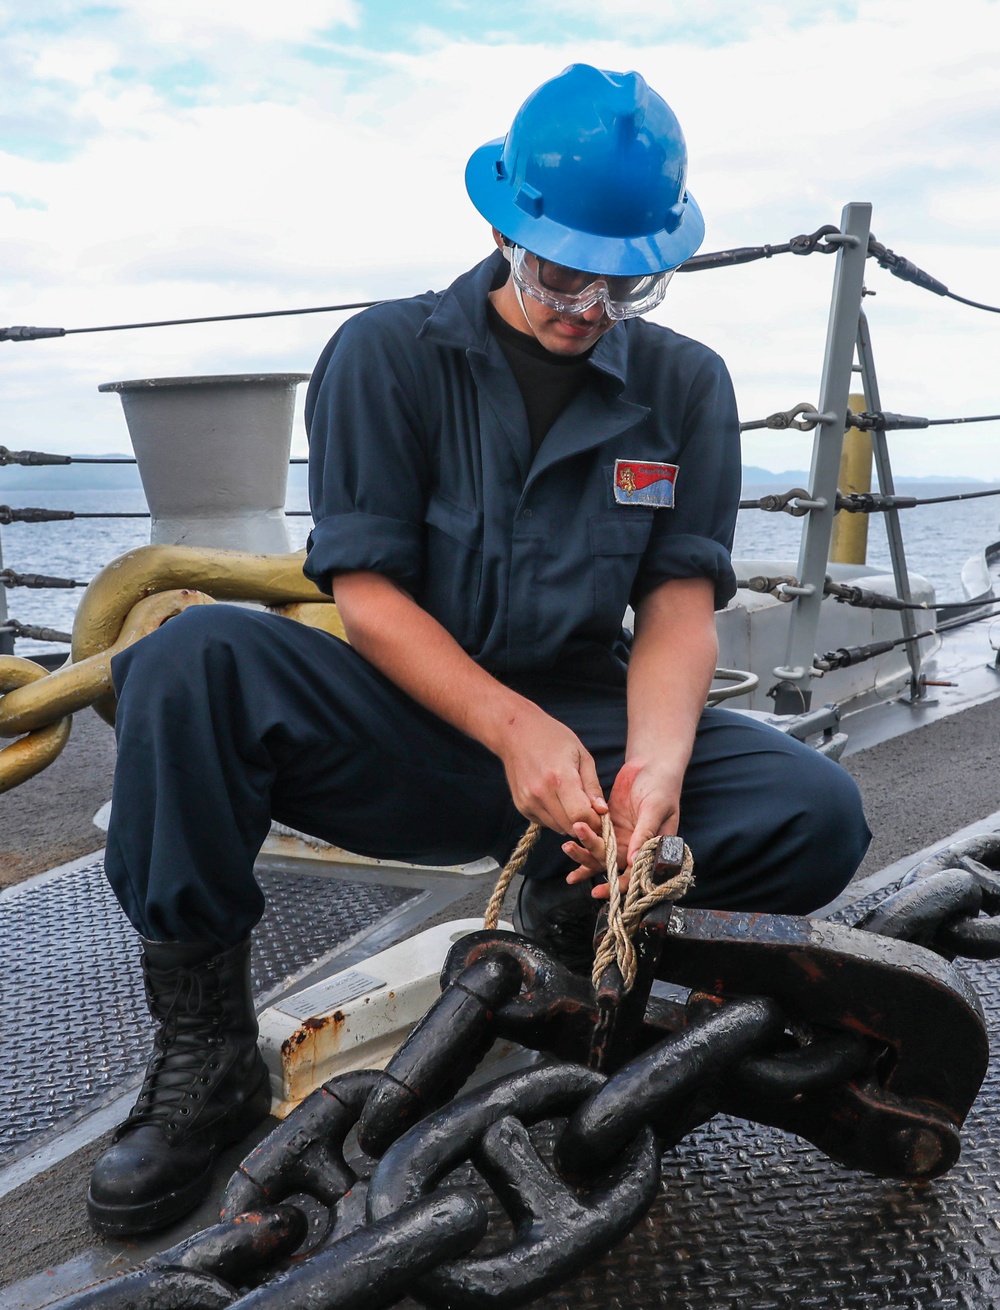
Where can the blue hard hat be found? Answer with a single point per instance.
(591, 175)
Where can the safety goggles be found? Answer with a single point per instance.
(572, 291)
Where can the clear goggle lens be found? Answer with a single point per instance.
(572, 291)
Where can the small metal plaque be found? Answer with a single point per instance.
(326, 996)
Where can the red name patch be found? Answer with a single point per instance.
(639, 483)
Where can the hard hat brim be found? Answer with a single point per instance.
(493, 196)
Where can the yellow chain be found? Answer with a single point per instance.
(221, 574)
(23, 759)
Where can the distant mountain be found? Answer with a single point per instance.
(756, 477)
(125, 477)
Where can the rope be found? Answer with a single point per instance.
(624, 916)
(509, 872)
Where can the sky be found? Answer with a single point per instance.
(169, 158)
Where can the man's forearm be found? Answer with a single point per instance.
(414, 651)
(670, 672)
(552, 777)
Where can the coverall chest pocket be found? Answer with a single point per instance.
(454, 566)
(617, 542)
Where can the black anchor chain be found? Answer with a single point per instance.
(829, 1032)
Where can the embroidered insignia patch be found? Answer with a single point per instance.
(645, 484)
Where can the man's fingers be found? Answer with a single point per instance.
(580, 874)
(638, 840)
(592, 841)
(644, 830)
(583, 857)
(592, 785)
(581, 796)
(566, 792)
(601, 892)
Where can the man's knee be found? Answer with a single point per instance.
(820, 829)
(184, 647)
(781, 830)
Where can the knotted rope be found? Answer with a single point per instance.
(624, 913)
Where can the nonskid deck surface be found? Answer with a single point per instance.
(751, 1218)
(748, 1216)
(73, 1023)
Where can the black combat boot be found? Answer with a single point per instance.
(206, 1086)
(561, 918)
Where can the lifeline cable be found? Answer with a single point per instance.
(804, 417)
(905, 269)
(824, 239)
(38, 334)
(845, 656)
(869, 502)
(33, 514)
(800, 245)
(858, 502)
(863, 598)
(886, 421)
(38, 458)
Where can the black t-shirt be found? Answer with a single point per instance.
(547, 382)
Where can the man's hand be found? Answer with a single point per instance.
(669, 674)
(645, 802)
(551, 774)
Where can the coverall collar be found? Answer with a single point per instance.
(459, 319)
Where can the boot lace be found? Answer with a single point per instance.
(187, 1060)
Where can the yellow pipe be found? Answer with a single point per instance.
(849, 544)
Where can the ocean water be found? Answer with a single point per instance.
(938, 539)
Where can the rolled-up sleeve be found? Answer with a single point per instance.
(368, 470)
(695, 538)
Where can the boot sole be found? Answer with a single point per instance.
(128, 1220)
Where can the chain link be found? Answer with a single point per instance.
(829, 1032)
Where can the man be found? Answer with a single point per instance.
(496, 473)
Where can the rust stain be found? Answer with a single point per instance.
(297, 1038)
(311, 1026)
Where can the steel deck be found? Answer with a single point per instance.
(749, 1218)
(73, 1023)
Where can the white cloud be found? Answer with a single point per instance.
(194, 21)
(79, 62)
(286, 181)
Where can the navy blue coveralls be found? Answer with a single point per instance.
(421, 469)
